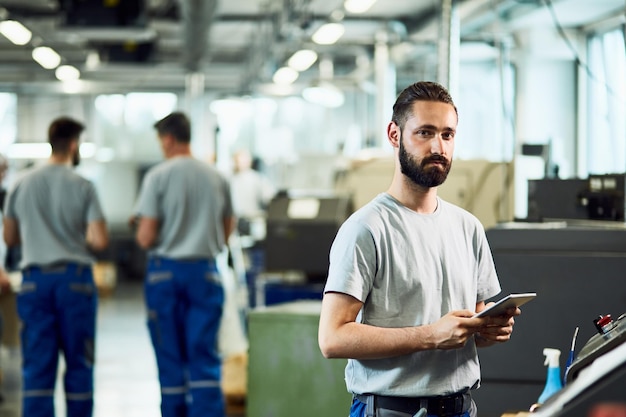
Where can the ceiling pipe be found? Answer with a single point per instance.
(473, 17)
(196, 19)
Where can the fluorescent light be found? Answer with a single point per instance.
(328, 33)
(302, 60)
(39, 150)
(15, 32)
(93, 60)
(67, 73)
(227, 106)
(285, 75)
(46, 57)
(358, 6)
(324, 94)
(73, 86)
(87, 150)
(42, 150)
(104, 154)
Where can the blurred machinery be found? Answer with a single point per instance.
(300, 231)
(577, 271)
(611, 333)
(604, 197)
(481, 187)
(597, 376)
(571, 250)
(599, 197)
(286, 366)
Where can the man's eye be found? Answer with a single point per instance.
(425, 133)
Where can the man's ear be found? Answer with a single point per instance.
(167, 140)
(74, 145)
(393, 134)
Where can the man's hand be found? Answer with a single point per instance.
(133, 222)
(497, 329)
(5, 284)
(454, 329)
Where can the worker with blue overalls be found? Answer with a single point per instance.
(183, 217)
(56, 216)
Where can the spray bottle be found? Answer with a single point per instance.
(553, 379)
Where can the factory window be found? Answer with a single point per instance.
(606, 81)
(486, 112)
(8, 120)
(124, 123)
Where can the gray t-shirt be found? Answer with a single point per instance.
(53, 206)
(190, 199)
(410, 269)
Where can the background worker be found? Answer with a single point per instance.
(56, 216)
(251, 191)
(185, 216)
(407, 272)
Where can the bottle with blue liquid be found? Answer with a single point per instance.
(553, 378)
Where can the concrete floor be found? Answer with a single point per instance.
(126, 382)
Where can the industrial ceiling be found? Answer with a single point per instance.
(236, 45)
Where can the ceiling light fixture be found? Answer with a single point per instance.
(324, 94)
(67, 73)
(285, 75)
(15, 32)
(302, 60)
(93, 60)
(358, 6)
(73, 86)
(46, 57)
(328, 33)
(87, 150)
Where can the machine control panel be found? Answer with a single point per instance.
(610, 335)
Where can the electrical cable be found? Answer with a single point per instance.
(579, 61)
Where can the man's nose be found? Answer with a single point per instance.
(436, 144)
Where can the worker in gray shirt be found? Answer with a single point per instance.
(407, 273)
(184, 217)
(56, 216)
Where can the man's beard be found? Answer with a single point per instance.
(418, 171)
(76, 158)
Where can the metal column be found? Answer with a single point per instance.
(448, 46)
(385, 75)
(202, 145)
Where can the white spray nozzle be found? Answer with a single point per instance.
(552, 357)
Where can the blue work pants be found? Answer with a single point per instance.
(57, 307)
(185, 299)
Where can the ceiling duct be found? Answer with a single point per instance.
(196, 19)
(98, 13)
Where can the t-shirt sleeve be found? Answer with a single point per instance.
(353, 261)
(488, 283)
(9, 204)
(94, 209)
(147, 203)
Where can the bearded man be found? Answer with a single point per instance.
(407, 273)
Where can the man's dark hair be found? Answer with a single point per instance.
(420, 91)
(176, 124)
(62, 132)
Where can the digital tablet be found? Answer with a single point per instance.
(510, 301)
